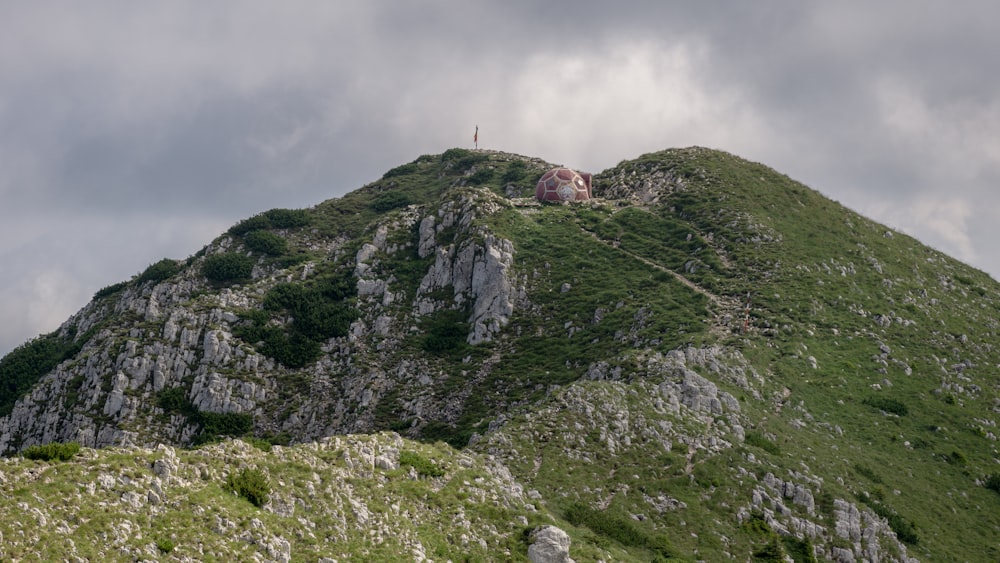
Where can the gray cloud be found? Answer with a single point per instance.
(131, 132)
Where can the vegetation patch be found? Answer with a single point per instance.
(229, 267)
(992, 482)
(618, 528)
(250, 484)
(266, 242)
(423, 466)
(758, 440)
(53, 451)
(297, 318)
(272, 219)
(23, 366)
(445, 332)
(888, 405)
(389, 201)
(110, 289)
(159, 271)
(904, 528)
(214, 425)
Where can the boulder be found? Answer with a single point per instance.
(549, 544)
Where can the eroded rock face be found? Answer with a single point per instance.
(178, 334)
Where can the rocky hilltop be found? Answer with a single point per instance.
(706, 361)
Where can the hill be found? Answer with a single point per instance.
(707, 361)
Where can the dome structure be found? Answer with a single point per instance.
(563, 184)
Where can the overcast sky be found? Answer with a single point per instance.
(132, 131)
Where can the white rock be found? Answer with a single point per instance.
(549, 544)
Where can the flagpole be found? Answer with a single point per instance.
(475, 137)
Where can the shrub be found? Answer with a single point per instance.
(287, 218)
(159, 271)
(228, 267)
(250, 484)
(259, 443)
(424, 466)
(53, 451)
(389, 201)
(272, 219)
(800, 550)
(110, 290)
(888, 405)
(759, 440)
(993, 482)
(481, 176)
(446, 332)
(266, 242)
(255, 223)
(956, 457)
(515, 172)
(217, 424)
(165, 545)
(174, 399)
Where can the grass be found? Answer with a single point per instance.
(875, 356)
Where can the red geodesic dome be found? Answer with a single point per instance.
(563, 184)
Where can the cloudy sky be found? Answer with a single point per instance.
(132, 131)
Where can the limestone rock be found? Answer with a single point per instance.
(549, 544)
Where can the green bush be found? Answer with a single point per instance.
(228, 267)
(293, 350)
(273, 219)
(759, 440)
(287, 218)
(250, 484)
(389, 201)
(110, 289)
(215, 425)
(515, 172)
(53, 451)
(424, 466)
(445, 332)
(956, 457)
(259, 443)
(481, 176)
(165, 545)
(888, 405)
(266, 242)
(800, 550)
(174, 399)
(993, 482)
(159, 271)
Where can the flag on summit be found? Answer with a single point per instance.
(475, 137)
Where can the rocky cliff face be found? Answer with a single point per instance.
(682, 366)
(177, 334)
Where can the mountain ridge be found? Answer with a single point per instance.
(735, 325)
